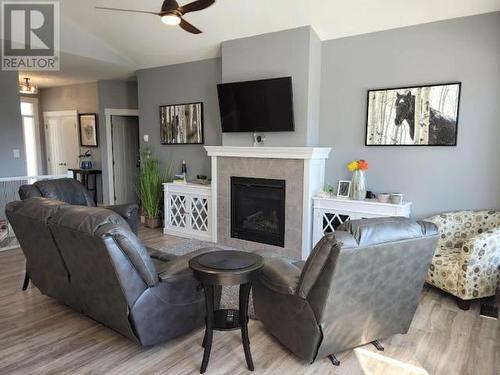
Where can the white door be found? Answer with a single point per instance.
(61, 141)
(125, 143)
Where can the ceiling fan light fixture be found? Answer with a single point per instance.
(171, 19)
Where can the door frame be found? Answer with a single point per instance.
(68, 113)
(108, 172)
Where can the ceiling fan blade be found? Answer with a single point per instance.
(188, 27)
(168, 6)
(196, 5)
(129, 10)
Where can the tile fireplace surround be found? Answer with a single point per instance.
(303, 169)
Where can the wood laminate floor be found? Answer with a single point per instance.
(40, 336)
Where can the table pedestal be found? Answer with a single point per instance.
(226, 320)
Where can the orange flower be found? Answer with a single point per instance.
(363, 165)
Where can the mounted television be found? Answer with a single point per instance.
(256, 106)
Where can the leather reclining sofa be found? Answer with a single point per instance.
(89, 259)
(72, 192)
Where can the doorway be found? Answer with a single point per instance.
(61, 141)
(125, 153)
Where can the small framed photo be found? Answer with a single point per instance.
(88, 129)
(181, 124)
(343, 189)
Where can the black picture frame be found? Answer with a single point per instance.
(369, 131)
(86, 139)
(170, 135)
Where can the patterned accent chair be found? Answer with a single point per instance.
(466, 263)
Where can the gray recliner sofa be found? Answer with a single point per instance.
(88, 258)
(71, 191)
(360, 284)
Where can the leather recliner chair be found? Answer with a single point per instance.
(72, 192)
(360, 284)
(87, 258)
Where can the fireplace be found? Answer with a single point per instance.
(258, 210)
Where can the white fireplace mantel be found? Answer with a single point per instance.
(313, 178)
(306, 153)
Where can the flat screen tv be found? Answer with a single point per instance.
(256, 106)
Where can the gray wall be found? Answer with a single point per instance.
(11, 130)
(80, 97)
(182, 83)
(296, 53)
(112, 94)
(436, 179)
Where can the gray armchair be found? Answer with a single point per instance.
(87, 258)
(70, 191)
(359, 285)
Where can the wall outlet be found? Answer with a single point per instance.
(17, 153)
(146, 137)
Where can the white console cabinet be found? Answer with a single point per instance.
(188, 210)
(329, 213)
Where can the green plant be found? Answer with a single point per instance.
(150, 182)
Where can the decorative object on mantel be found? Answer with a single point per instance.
(384, 197)
(181, 124)
(358, 184)
(396, 198)
(343, 189)
(88, 129)
(413, 116)
(330, 212)
(150, 188)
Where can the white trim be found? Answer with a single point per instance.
(270, 152)
(73, 112)
(40, 177)
(108, 173)
(214, 200)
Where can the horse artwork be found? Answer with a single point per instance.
(420, 115)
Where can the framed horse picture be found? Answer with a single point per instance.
(413, 116)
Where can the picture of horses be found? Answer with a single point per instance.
(413, 116)
(181, 124)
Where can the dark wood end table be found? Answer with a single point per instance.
(224, 268)
(84, 179)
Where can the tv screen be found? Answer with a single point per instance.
(256, 106)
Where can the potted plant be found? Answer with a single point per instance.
(150, 188)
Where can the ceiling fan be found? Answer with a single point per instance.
(171, 13)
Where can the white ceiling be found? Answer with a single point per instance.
(97, 44)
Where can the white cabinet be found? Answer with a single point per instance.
(329, 213)
(188, 210)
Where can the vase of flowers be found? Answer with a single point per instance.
(358, 184)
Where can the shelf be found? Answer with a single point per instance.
(222, 322)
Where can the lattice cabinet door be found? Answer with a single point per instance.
(188, 211)
(198, 214)
(177, 213)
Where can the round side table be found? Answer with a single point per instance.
(224, 268)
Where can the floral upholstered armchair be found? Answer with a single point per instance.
(467, 260)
